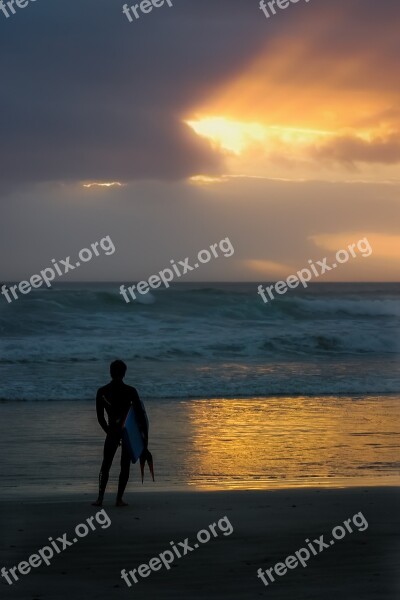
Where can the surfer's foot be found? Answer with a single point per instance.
(121, 503)
(99, 502)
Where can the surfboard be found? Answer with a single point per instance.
(131, 435)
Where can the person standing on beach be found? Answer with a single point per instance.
(116, 398)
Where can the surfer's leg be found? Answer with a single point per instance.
(124, 474)
(110, 447)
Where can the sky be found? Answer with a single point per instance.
(206, 120)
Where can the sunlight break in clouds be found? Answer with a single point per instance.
(105, 184)
(237, 136)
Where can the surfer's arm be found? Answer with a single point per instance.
(100, 413)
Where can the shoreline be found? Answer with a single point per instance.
(70, 496)
(80, 498)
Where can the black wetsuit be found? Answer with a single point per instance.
(116, 398)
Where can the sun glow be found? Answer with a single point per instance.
(237, 136)
(233, 136)
(206, 180)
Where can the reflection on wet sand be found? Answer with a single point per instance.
(281, 442)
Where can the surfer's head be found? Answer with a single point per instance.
(118, 369)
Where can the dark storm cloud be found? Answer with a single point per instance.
(85, 94)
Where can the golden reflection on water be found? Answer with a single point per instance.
(282, 442)
(260, 443)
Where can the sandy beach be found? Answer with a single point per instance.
(267, 527)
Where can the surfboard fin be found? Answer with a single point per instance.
(147, 457)
(151, 464)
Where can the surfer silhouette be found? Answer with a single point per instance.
(116, 398)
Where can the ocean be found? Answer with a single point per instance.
(202, 341)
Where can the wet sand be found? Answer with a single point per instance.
(207, 445)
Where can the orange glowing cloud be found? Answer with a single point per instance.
(267, 269)
(384, 246)
(305, 103)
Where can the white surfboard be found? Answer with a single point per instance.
(132, 436)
